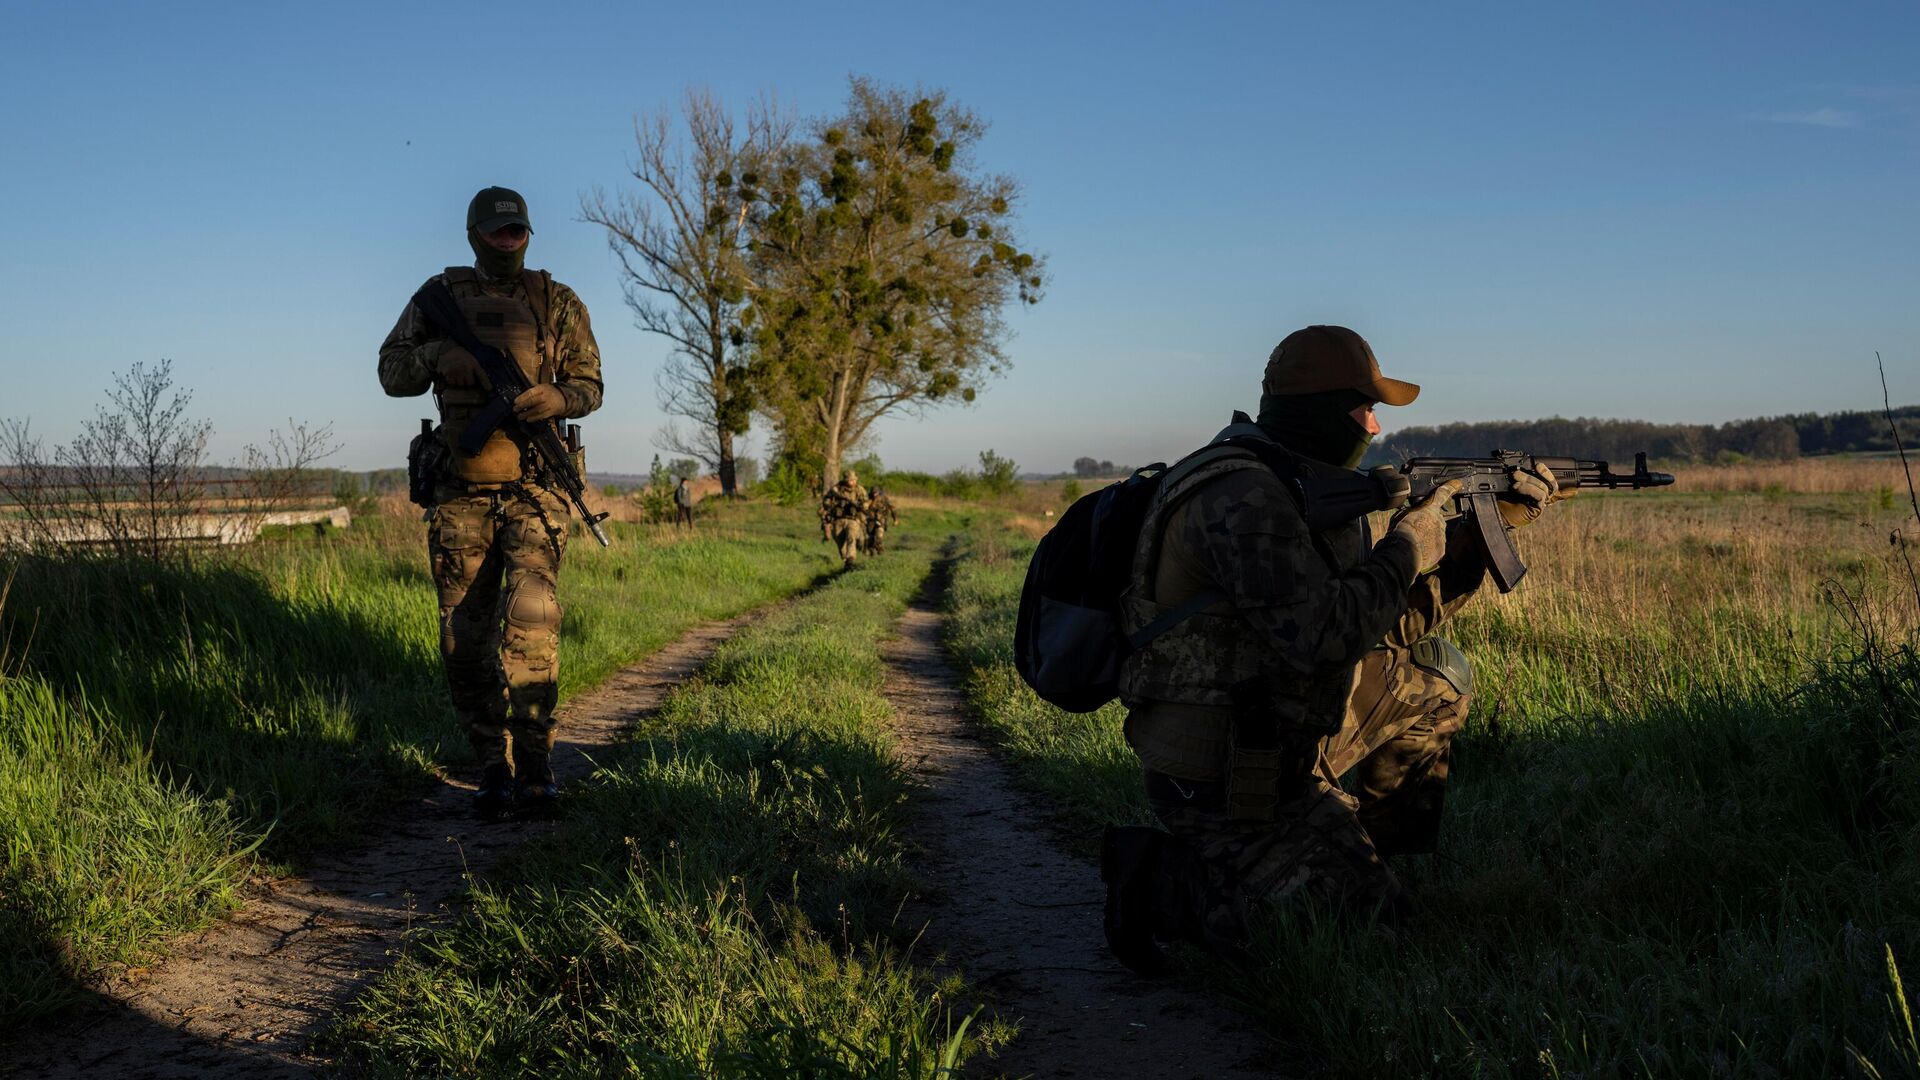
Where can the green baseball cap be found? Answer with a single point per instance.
(496, 207)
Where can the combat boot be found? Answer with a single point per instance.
(1127, 858)
(535, 791)
(495, 795)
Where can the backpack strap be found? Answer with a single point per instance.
(1167, 620)
(1242, 444)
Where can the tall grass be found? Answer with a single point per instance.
(720, 900)
(162, 722)
(1681, 839)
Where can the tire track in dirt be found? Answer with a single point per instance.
(244, 997)
(1020, 917)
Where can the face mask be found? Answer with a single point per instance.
(1321, 426)
(491, 261)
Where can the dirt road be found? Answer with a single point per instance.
(1021, 917)
(242, 998)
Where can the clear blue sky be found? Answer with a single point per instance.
(1653, 210)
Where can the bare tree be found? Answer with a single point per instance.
(281, 473)
(136, 480)
(681, 239)
(132, 471)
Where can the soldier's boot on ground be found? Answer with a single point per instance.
(535, 791)
(495, 795)
(1128, 856)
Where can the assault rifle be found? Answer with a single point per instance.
(1342, 495)
(506, 382)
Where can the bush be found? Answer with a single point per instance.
(786, 485)
(997, 474)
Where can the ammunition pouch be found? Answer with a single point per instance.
(428, 461)
(1266, 765)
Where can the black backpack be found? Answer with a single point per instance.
(1068, 643)
(1067, 640)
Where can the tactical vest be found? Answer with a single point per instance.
(1213, 657)
(518, 325)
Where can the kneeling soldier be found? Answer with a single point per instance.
(1316, 659)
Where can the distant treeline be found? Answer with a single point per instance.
(1773, 438)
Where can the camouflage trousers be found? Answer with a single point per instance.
(496, 563)
(876, 536)
(1327, 842)
(850, 534)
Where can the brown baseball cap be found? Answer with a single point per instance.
(1316, 359)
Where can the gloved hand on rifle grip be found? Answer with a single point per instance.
(1533, 490)
(456, 366)
(1424, 525)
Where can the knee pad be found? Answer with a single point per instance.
(532, 605)
(1443, 658)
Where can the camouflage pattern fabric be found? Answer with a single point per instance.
(880, 514)
(1325, 844)
(849, 534)
(843, 510)
(410, 355)
(1297, 611)
(1325, 625)
(496, 563)
(495, 549)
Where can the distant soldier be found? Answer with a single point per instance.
(499, 529)
(683, 505)
(880, 514)
(843, 512)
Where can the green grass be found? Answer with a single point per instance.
(160, 724)
(720, 901)
(1683, 837)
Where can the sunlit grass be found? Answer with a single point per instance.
(1681, 837)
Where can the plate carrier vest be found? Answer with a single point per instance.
(519, 325)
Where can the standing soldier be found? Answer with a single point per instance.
(1311, 656)
(682, 504)
(880, 514)
(843, 511)
(498, 527)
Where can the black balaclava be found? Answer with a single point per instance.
(496, 264)
(1321, 426)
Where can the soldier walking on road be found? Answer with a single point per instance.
(498, 528)
(1316, 658)
(843, 512)
(880, 514)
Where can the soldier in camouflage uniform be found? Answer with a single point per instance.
(843, 512)
(1315, 658)
(498, 530)
(880, 514)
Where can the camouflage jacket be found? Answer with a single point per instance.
(843, 501)
(410, 356)
(1300, 610)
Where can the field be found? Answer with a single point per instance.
(168, 731)
(1681, 835)
(1680, 840)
